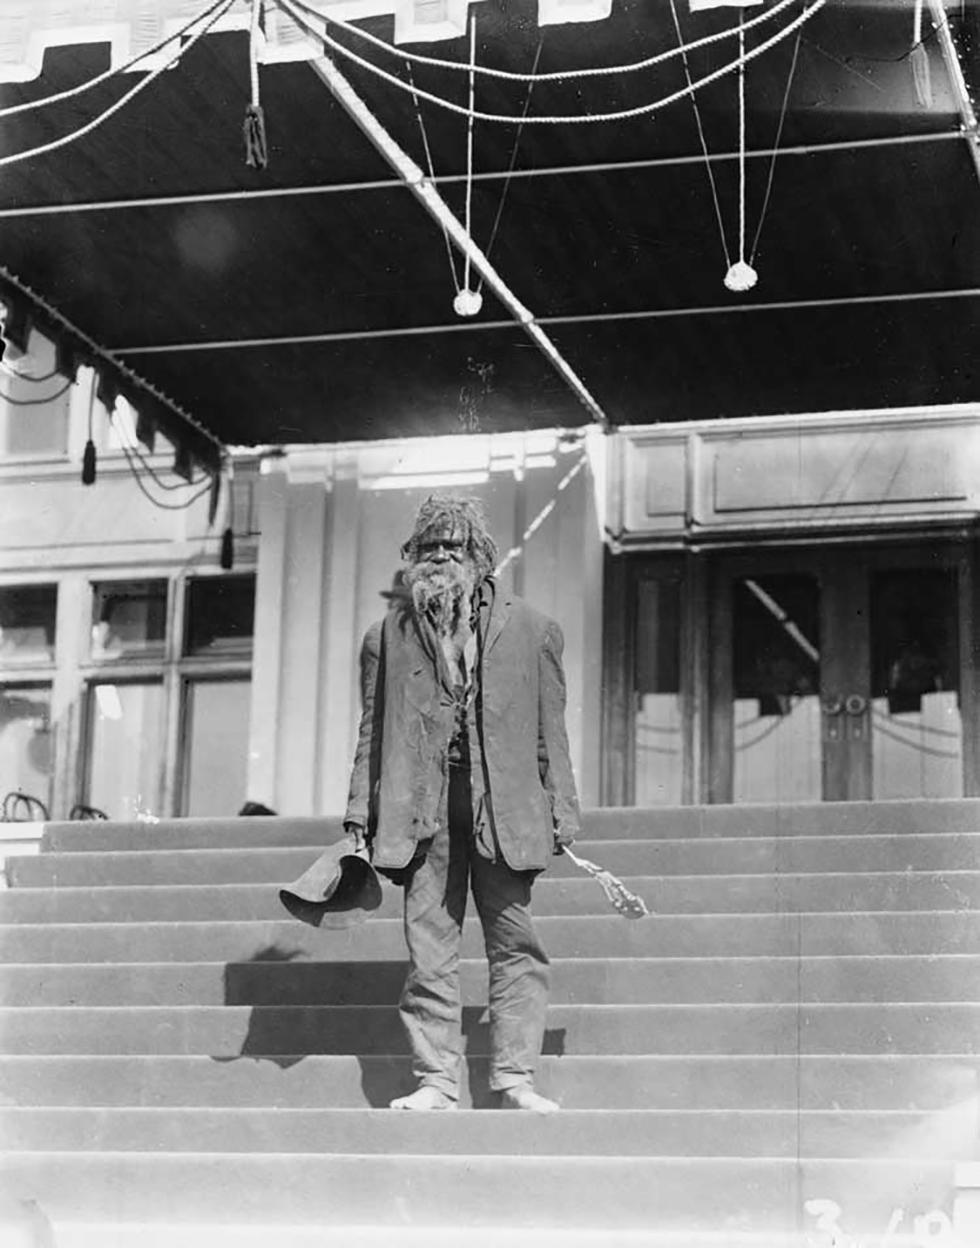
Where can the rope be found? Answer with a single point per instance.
(189, 502)
(643, 110)
(469, 150)
(48, 398)
(254, 30)
(513, 161)
(123, 100)
(562, 75)
(741, 145)
(704, 142)
(775, 148)
(144, 462)
(71, 92)
(432, 173)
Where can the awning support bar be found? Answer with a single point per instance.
(426, 192)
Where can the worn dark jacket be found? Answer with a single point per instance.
(524, 790)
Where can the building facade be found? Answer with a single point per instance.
(756, 610)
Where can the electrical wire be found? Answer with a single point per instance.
(183, 506)
(643, 110)
(775, 148)
(468, 211)
(129, 65)
(513, 161)
(147, 466)
(562, 75)
(55, 144)
(432, 173)
(48, 398)
(704, 142)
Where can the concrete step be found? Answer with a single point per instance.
(678, 857)
(208, 1235)
(655, 981)
(920, 1083)
(613, 823)
(692, 894)
(626, 1193)
(950, 1135)
(256, 1031)
(761, 935)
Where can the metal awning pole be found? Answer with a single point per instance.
(424, 190)
(961, 92)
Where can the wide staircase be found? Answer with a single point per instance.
(785, 1052)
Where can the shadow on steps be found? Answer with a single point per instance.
(283, 1029)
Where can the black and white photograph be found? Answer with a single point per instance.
(489, 623)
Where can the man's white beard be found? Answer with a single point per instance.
(442, 592)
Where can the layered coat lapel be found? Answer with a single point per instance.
(499, 615)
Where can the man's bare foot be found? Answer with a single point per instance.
(524, 1097)
(425, 1097)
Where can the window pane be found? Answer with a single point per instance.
(27, 623)
(25, 740)
(776, 671)
(125, 749)
(38, 429)
(917, 732)
(129, 618)
(216, 746)
(659, 766)
(220, 615)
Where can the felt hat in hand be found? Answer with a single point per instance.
(340, 889)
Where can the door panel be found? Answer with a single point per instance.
(776, 687)
(916, 725)
(837, 674)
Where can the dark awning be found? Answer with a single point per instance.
(312, 300)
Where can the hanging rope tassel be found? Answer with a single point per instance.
(468, 301)
(741, 276)
(919, 60)
(256, 149)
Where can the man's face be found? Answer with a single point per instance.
(444, 573)
(440, 545)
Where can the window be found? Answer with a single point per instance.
(27, 624)
(215, 743)
(168, 695)
(125, 748)
(26, 754)
(220, 615)
(33, 414)
(129, 619)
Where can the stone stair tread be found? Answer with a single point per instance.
(691, 1193)
(234, 1032)
(654, 980)
(958, 815)
(819, 932)
(597, 1133)
(690, 894)
(938, 851)
(912, 1083)
(799, 1019)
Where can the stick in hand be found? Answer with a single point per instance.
(624, 902)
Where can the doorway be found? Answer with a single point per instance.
(837, 674)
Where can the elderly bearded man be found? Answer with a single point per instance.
(461, 778)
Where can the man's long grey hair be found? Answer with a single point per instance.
(443, 591)
(466, 517)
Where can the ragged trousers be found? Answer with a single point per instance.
(435, 905)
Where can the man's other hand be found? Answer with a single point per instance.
(355, 831)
